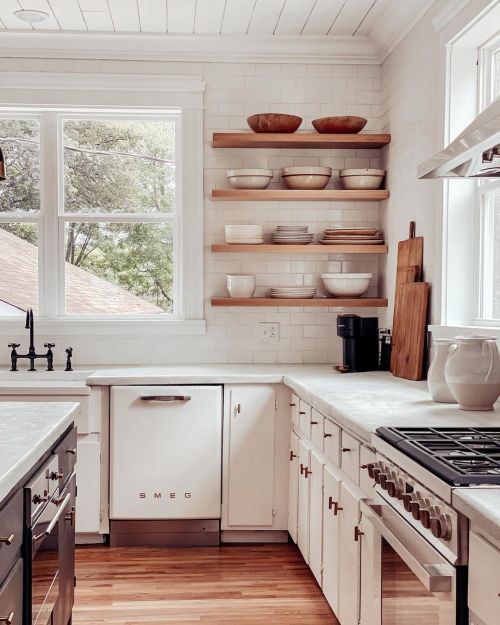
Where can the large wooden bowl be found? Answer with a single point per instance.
(342, 125)
(274, 122)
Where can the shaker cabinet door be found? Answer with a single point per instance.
(316, 516)
(349, 557)
(331, 502)
(293, 486)
(304, 498)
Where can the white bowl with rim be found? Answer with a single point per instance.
(360, 179)
(306, 177)
(249, 178)
(346, 284)
(240, 285)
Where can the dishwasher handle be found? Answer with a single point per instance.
(168, 398)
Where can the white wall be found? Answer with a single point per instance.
(234, 91)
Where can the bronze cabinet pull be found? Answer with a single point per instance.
(301, 412)
(7, 619)
(357, 533)
(344, 449)
(314, 423)
(336, 508)
(302, 467)
(7, 540)
(330, 503)
(71, 451)
(307, 472)
(292, 405)
(292, 455)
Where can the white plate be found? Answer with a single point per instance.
(351, 241)
(287, 296)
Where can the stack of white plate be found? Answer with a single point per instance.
(244, 234)
(352, 236)
(292, 292)
(292, 235)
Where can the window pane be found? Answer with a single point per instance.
(119, 166)
(20, 143)
(496, 258)
(491, 256)
(497, 75)
(118, 269)
(19, 273)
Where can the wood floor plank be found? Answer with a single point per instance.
(237, 585)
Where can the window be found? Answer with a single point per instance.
(95, 212)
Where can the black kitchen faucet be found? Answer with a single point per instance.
(32, 355)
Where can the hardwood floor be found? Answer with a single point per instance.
(237, 585)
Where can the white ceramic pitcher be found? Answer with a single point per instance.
(438, 387)
(472, 372)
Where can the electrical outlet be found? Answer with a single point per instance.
(270, 332)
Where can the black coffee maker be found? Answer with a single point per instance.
(360, 342)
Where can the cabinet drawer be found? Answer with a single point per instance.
(11, 596)
(305, 418)
(349, 457)
(366, 456)
(484, 579)
(294, 405)
(331, 444)
(66, 452)
(11, 533)
(317, 429)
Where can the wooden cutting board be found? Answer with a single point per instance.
(407, 357)
(411, 252)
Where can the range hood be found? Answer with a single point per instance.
(475, 153)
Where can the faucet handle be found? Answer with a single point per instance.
(14, 345)
(49, 345)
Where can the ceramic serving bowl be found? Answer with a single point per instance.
(346, 284)
(306, 177)
(361, 178)
(240, 286)
(249, 178)
(343, 124)
(274, 122)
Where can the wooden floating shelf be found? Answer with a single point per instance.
(290, 195)
(317, 302)
(303, 249)
(298, 140)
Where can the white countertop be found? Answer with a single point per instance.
(481, 506)
(27, 431)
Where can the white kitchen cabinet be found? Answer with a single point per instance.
(316, 515)
(331, 442)
(293, 486)
(250, 436)
(305, 418)
(349, 556)
(88, 482)
(484, 581)
(370, 578)
(294, 408)
(331, 502)
(317, 429)
(304, 498)
(350, 449)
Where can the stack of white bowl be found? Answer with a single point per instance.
(249, 178)
(244, 234)
(292, 235)
(292, 292)
(240, 286)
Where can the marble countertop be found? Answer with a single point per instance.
(27, 431)
(481, 506)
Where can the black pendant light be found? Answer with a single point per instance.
(2, 166)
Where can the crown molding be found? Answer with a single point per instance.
(191, 48)
(447, 13)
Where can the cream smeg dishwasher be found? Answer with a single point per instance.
(165, 465)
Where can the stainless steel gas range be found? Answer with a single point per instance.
(420, 541)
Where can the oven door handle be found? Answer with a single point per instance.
(170, 398)
(54, 521)
(435, 577)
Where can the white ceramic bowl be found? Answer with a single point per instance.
(240, 286)
(249, 178)
(346, 284)
(361, 178)
(306, 177)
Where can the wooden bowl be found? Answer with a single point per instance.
(346, 124)
(274, 122)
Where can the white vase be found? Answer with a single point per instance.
(472, 372)
(436, 381)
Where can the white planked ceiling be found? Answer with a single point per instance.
(320, 18)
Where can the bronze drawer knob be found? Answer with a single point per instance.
(7, 540)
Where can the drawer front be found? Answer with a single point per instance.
(349, 456)
(484, 579)
(294, 405)
(11, 596)
(11, 533)
(305, 418)
(367, 484)
(66, 452)
(331, 442)
(317, 432)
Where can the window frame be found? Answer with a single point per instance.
(90, 94)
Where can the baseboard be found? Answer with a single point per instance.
(254, 536)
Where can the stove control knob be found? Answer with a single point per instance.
(407, 499)
(408, 488)
(383, 480)
(376, 475)
(393, 489)
(371, 468)
(441, 527)
(415, 510)
(425, 518)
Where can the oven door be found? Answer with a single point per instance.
(415, 583)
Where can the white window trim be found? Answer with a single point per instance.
(130, 91)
